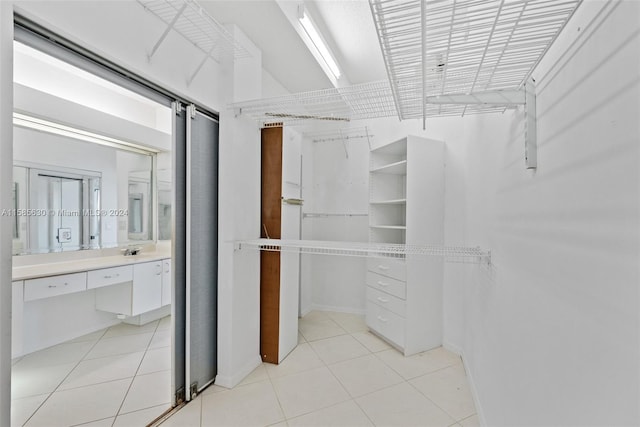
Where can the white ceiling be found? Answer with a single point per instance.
(346, 25)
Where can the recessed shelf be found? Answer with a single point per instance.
(389, 227)
(390, 202)
(397, 168)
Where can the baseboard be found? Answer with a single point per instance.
(474, 392)
(320, 307)
(230, 381)
(149, 316)
(306, 311)
(452, 348)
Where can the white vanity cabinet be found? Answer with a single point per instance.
(17, 309)
(166, 282)
(142, 294)
(46, 287)
(109, 276)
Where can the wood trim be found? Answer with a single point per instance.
(270, 226)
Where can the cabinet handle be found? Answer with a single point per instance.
(158, 274)
(55, 286)
(111, 277)
(382, 319)
(381, 283)
(384, 300)
(383, 267)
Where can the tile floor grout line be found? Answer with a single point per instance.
(135, 374)
(430, 400)
(92, 421)
(273, 387)
(65, 377)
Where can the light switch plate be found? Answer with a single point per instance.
(64, 235)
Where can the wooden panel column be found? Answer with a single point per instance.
(271, 214)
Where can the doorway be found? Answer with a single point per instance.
(161, 357)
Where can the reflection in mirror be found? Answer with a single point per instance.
(164, 204)
(75, 195)
(139, 204)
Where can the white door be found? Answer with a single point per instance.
(290, 223)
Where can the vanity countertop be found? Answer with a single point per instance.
(66, 267)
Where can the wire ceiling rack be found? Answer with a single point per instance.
(433, 49)
(439, 47)
(191, 21)
(360, 249)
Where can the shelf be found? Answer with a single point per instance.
(359, 249)
(389, 227)
(395, 148)
(397, 168)
(442, 58)
(389, 202)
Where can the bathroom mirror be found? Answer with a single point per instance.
(164, 204)
(73, 195)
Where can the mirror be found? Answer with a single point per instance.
(71, 194)
(164, 204)
(139, 205)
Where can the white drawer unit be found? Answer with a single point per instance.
(393, 268)
(406, 206)
(109, 276)
(384, 300)
(387, 284)
(142, 294)
(386, 324)
(52, 286)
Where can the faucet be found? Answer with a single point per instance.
(131, 251)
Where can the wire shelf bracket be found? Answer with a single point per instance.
(191, 21)
(457, 254)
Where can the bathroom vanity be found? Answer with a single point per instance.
(55, 302)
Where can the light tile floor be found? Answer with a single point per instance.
(340, 375)
(119, 376)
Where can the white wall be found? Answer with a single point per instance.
(239, 210)
(6, 231)
(335, 184)
(551, 334)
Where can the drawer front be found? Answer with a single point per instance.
(386, 323)
(387, 284)
(52, 286)
(384, 300)
(393, 268)
(109, 276)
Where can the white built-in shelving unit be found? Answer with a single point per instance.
(404, 293)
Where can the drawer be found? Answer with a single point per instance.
(52, 286)
(384, 300)
(387, 284)
(386, 324)
(109, 276)
(390, 267)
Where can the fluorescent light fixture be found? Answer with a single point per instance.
(318, 42)
(22, 120)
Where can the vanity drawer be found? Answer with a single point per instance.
(386, 324)
(109, 276)
(387, 284)
(393, 268)
(384, 300)
(52, 286)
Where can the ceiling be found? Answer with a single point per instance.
(346, 25)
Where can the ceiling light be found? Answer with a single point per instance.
(318, 42)
(25, 121)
